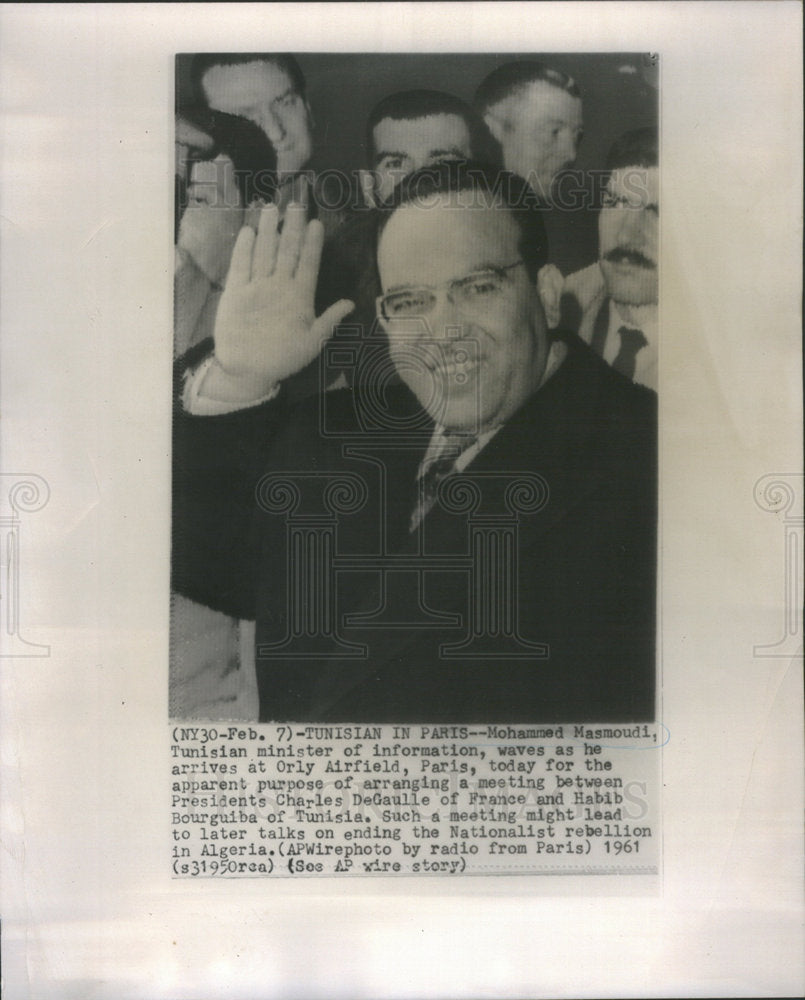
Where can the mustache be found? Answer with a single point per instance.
(628, 255)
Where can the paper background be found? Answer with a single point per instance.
(86, 272)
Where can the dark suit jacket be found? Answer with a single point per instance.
(590, 322)
(581, 566)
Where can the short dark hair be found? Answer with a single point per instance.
(489, 185)
(407, 105)
(511, 77)
(204, 61)
(253, 156)
(638, 148)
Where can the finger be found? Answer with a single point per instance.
(307, 271)
(265, 247)
(293, 234)
(302, 190)
(251, 214)
(323, 327)
(191, 135)
(240, 266)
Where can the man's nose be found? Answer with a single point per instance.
(632, 229)
(446, 320)
(271, 124)
(568, 146)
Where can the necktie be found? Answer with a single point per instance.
(437, 469)
(631, 342)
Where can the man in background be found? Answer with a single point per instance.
(227, 164)
(613, 304)
(534, 115)
(413, 129)
(268, 89)
(405, 131)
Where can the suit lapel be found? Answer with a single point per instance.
(554, 435)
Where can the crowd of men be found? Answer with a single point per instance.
(467, 353)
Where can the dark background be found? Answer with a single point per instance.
(618, 91)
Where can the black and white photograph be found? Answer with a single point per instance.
(402, 521)
(415, 425)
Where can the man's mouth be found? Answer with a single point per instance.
(626, 255)
(457, 363)
(457, 370)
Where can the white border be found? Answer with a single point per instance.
(86, 272)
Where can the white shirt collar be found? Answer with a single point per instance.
(439, 441)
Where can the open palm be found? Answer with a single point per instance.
(266, 327)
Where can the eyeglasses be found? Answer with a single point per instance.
(475, 291)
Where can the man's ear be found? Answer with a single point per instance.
(549, 288)
(495, 126)
(367, 182)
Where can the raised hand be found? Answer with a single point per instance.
(188, 137)
(266, 327)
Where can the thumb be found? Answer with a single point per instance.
(323, 326)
